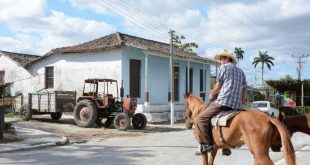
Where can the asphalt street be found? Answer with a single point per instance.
(175, 146)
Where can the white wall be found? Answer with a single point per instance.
(18, 75)
(70, 70)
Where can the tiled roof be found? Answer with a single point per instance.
(20, 58)
(117, 40)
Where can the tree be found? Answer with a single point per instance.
(239, 53)
(264, 59)
(177, 41)
(287, 78)
(212, 81)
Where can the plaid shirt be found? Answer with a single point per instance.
(233, 81)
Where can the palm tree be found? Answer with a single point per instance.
(264, 59)
(239, 53)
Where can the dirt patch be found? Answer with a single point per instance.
(67, 127)
(9, 138)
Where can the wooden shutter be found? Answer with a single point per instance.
(2, 74)
(49, 77)
(134, 77)
(190, 80)
(176, 83)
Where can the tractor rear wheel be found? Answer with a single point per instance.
(85, 113)
(25, 112)
(122, 122)
(56, 115)
(139, 121)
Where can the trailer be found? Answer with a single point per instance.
(53, 103)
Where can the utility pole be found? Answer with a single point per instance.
(171, 79)
(299, 61)
(298, 68)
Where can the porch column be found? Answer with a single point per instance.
(204, 82)
(146, 91)
(171, 79)
(302, 93)
(188, 70)
(171, 90)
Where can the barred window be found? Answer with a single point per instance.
(2, 73)
(49, 77)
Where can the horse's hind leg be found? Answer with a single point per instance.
(261, 153)
(262, 160)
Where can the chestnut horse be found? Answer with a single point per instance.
(250, 127)
(300, 123)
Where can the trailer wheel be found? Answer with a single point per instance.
(122, 122)
(85, 113)
(25, 112)
(56, 115)
(139, 121)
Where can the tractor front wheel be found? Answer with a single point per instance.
(139, 121)
(56, 115)
(85, 113)
(122, 122)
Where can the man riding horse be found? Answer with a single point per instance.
(230, 90)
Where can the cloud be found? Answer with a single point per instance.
(40, 29)
(279, 26)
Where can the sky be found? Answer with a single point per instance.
(281, 27)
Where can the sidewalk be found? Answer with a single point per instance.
(33, 138)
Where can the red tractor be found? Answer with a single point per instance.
(98, 103)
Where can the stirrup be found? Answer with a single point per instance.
(205, 148)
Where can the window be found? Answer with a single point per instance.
(49, 77)
(190, 81)
(134, 78)
(2, 73)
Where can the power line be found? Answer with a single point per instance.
(140, 19)
(137, 15)
(160, 25)
(134, 21)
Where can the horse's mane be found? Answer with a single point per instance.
(197, 107)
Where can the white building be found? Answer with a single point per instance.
(12, 71)
(142, 65)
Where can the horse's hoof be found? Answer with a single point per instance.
(226, 152)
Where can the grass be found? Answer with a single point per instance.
(11, 114)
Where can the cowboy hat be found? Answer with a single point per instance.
(225, 53)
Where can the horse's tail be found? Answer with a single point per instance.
(289, 152)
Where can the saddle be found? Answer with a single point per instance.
(221, 119)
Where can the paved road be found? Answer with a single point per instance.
(175, 146)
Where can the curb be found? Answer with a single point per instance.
(64, 141)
